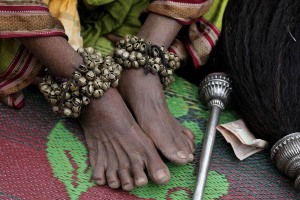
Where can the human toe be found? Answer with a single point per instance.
(126, 180)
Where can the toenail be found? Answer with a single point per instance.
(113, 184)
(140, 181)
(181, 155)
(127, 187)
(100, 182)
(191, 157)
(161, 174)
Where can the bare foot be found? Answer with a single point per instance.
(145, 97)
(119, 149)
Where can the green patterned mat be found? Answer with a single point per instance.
(45, 157)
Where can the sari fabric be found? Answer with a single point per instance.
(202, 20)
(102, 17)
(18, 67)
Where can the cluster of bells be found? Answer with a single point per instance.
(92, 79)
(134, 52)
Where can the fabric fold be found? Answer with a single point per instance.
(18, 67)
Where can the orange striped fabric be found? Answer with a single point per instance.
(201, 18)
(18, 67)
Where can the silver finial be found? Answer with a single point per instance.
(215, 89)
(285, 154)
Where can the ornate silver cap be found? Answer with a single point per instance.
(215, 90)
(285, 154)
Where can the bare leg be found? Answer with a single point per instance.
(119, 149)
(144, 95)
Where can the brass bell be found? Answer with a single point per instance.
(155, 52)
(55, 109)
(90, 75)
(119, 52)
(170, 72)
(177, 65)
(134, 39)
(83, 89)
(76, 102)
(98, 93)
(83, 68)
(67, 112)
(53, 101)
(115, 83)
(132, 57)
(43, 88)
(142, 48)
(112, 77)
(64, 85)
(47, 91)
(164, 72)
(57, 92)
(67, 95)
(121, 42)
(85, 100)
(172, 64)
(68, 104)
(111, 68)
(82, 81)
(73, 87)
(89, 90)
(127, 38)
(52, 94)
(106, 86)
(157, 60)
(136, 46)
(127, 64)
(54, 86)
(97, 71)
(125, 55)
(117, 72)
(99, 54)
(91, 65)
(76, 75)
(76, 93)
(97, 83)
(42, 83)
(172, 56)
(135, 64)
(129, 47)
(76, 108)
(89, 50)
(49, 81)
(75, 114)
(105, 72)
(119, 60)
(155, 68)
(139, 56)
(119, 67)
(142, 61)
(167, 57)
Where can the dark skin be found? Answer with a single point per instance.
(122, 144)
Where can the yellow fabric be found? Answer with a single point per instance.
(96, 2)
(66, 12)
(216, 12)
(7, 54)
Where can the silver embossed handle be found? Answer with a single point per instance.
(215, 92)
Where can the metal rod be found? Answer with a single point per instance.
(214, 91)
(206, 153)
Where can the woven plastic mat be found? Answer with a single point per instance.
(44, 157)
